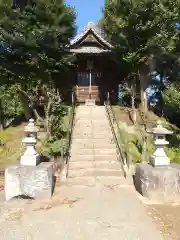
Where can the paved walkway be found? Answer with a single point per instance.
(96, 203)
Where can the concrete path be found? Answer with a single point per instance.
(96, 203)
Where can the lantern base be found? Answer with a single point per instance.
(159, 161)
(30, 160)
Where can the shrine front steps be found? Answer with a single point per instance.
(104, 165)
(94, 151)
(100, 136)
(91, 157)
(94, 172)
(94, 181)
(92, 145)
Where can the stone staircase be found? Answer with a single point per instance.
(93, 153)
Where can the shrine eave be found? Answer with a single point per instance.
(89, 50)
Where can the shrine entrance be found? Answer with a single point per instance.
(88, 84)
(95, 70)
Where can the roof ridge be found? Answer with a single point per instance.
(90, 26)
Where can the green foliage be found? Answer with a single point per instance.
(133, 146)
(56, 143)
(35, 41)
(171, 97)
(57, 130)
(56, 148)
(10, 104)
(140, 28)
(174, 154)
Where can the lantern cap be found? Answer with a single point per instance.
(159, 129)
(31, 127)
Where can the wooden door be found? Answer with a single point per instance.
(85, 90)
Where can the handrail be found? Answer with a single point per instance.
(119, 133)
(70, 127)
(106, 104)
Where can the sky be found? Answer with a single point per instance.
(87, 11)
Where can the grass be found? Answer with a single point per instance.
(12, 137)
(132, 137)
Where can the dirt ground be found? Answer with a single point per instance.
(167, 218)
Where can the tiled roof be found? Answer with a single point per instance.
(97, 32)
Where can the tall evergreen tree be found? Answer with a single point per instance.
(140, 30)
(34, 40)
(34, 54)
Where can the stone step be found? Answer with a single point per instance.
(94, 181)
(104, 145)
(81, 157)
(87, 141)
(91, 122)
(91, 157)
(105, 157)
(94, 151)
(92, 164)
(90, 131)
(73, 173)
(82, 145)
(87, 151)
(106, 151)
(100, 137)
(91, 145)
(85, 131)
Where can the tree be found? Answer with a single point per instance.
(142, 32)
(36, 40)
(171, 96)
(34, 50)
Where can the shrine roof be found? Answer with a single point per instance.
(98, 33)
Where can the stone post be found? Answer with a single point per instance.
(159, 157)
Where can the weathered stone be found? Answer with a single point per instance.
(158, 183)
(34, 182)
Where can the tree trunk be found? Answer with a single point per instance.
(25, 105)
(161, 101)
(144, 82)
(133, 94)
(1, 116)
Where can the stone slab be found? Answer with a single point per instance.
(162, 183)
(29, 181)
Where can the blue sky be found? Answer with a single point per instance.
(87, 10)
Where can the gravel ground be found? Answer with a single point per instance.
(167, 218)
(79, 213)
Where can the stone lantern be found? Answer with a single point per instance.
(30, 156)
(159, 157)
(31, 178)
